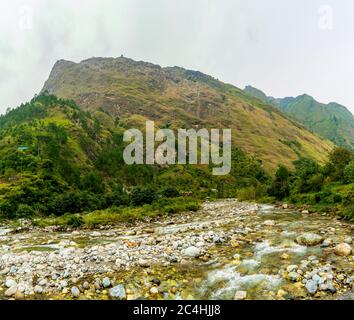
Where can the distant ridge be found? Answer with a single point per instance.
(331, 121)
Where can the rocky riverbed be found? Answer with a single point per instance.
(226, 250)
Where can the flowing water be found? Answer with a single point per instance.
(256, 247)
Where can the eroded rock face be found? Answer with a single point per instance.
(309, 239)
(343, 249)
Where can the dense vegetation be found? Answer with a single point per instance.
(329, 188)
(57, 161)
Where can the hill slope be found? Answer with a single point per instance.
(134, 91)
(331, 121)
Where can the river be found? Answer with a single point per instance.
(226, 250)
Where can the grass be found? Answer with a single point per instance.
(114, 215)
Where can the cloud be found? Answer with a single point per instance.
(275, 45)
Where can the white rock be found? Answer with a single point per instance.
(240, 295)
(75, 291)
(10, 283)
(192, 252)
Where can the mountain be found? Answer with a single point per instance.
(331, 121)
(133, 91)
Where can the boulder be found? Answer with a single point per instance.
(343, 249)
(309, 239)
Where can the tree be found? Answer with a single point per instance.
(349, 172)
(93, 182)
(308, 176)
(280, 187)
(339, 158)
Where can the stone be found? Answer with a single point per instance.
(154, 290)
(10, 283)
(19, 295)
(143, 263)
(305, 212)
(75, 292)
(11, 291)
(348, 240)
(269, 223)
(294, 276)
(38, 289)
(343, 249)
(292, 267)
(240, 295)
(106, 282)
(309, 239)
(118, 292)
(311, 287)
(192, 252)
(285, 256)
(327, 242)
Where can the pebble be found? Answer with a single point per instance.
(11, 291)
(38, 289)
(240, 295)
(118, 292)
(75, 292)
(311, 287)
(106, 282)
(10, 283)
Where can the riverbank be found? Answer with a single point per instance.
(225, 250)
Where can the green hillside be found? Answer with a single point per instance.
(331, 121)
(57, 159)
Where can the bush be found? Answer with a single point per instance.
(175, 205)
(170, 192)
(24, 211)
(349, 173)
(141, 196)
(75, 221)
(248, 193)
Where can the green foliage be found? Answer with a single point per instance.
(142, 195)
(349, 172)
(24, 211)
(338, 160)
(93, 182)
(308, 176)
(170, 192)
(280, 187)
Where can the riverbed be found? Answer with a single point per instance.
(226, 250)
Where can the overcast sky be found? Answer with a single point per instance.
(285, 48)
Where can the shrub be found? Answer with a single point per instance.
(170, 192)
(141, 196)
(24, 211)
(349, 172)
(248, 193)
(75, 221)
